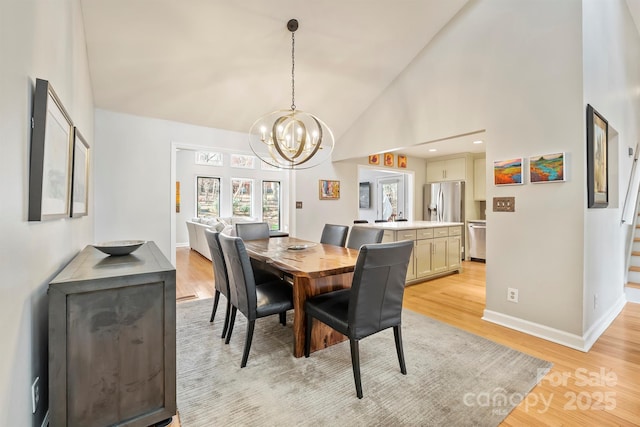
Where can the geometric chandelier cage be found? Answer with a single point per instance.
(291, 139)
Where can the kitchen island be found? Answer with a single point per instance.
(437, 248)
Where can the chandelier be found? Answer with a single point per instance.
(291, 139)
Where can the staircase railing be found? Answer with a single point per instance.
(637, 188)
(634, 217)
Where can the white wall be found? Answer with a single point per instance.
(38, 39)
(133, 173)
(514, 69)
(611, 51)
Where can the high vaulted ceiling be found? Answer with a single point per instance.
(224, 63)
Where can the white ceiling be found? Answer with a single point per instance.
(223, 63)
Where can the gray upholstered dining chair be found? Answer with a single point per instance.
(221, 279)
(255, 231)
(274, 297)
(333, 234)
(252, 230)
(359, 236)
(372, 304)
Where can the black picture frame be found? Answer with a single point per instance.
(597, 159)
(365, 195)
(80, 176)
(50, 157)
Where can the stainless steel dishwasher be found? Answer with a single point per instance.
(477, 240)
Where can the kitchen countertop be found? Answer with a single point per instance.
(409, 225)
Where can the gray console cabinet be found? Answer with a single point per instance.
(112, 340)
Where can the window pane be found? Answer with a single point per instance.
(271, 204)
(208, 196)
(209, 158)
(241, 196)
(241, 161)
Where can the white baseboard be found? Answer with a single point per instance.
(633, 294)
(45, 421)
(182, 245)
(582, 343)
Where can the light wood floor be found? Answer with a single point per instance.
(598, 388)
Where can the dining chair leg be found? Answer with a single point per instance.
(283, 318)
(226, 319)
(232, 320)
(307, 335)
(355, 362)
(398, 336)
(215, 305)
(247, 344)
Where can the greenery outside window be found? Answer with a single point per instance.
(271, 204)
(241, 196)
(207, 197)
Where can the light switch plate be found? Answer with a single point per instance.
(504, 204)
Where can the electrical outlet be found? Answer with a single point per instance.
(512, 294)
(35, 394)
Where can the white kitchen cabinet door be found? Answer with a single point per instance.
(479, 179)
(447, 170)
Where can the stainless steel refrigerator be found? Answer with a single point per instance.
(444, 201)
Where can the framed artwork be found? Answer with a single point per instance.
(388, 159)
(546, 168)
(374, 159)
(507, 172)
(329, 190)
(80, 176)
(51, 156)
(402, 161)
(177, 196)
(365, 195)
(597, 159)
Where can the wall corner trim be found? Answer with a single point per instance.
(577, 342)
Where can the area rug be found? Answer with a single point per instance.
(454, 378)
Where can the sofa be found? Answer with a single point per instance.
(196, 227)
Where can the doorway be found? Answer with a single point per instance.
(397, 188)
(391, 198)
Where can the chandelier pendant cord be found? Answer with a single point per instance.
(293, 69)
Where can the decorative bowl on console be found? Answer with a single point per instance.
(119, 247)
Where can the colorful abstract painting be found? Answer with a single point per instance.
(402, 161)
(374, 159)
(329, 190)
(546, 168)
(507, 172)
(388, 159)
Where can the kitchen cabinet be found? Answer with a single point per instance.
(112, 339)
(447, 170)
(436, 249)
(479, 179)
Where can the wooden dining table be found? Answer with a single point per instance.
(315, 268)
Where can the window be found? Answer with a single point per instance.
(241, 196)
(208, 158)
(207, 196)
(271, 204)
(242, 161)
